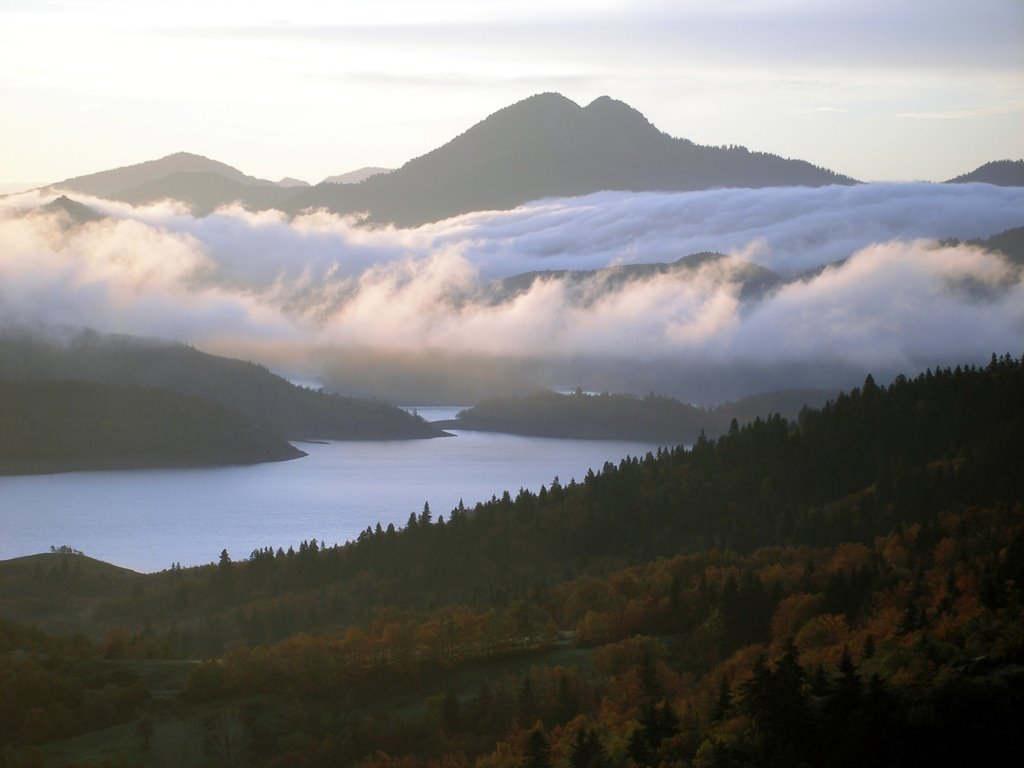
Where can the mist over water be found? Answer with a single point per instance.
(304, 294)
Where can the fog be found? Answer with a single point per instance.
(322, 293)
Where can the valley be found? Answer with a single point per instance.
(419, 385)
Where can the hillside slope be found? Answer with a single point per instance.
(266, 399)
(1003, 173)
(548, 146)
(61, 426)
(845, 590)
(111, 182)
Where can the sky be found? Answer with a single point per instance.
(876, 89)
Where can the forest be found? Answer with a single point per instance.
(656, 418)
(64, 425)
(266, 400)
(841, 589)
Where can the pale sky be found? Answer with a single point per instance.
(877, 89)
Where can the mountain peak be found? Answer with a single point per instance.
(74, 210)
(607, 104)
(540, 106)
(618, 115)
(547, 98)
(356, 176)
(113, 182)
(547, 145)
(187, 156)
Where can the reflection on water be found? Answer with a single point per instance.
(147, 519)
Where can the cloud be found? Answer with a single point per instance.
(262, 285)
(798, 228)
(896, 305)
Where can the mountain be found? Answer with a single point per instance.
(844, 590)
(110, 183)
(625, 417)
(206, 191)
(543, 146)
(73, 211)
(548, 146)
(1010, 243)
(288, 181)
(1002, 173)
(266, 399)
(354, 177)
(586, 286)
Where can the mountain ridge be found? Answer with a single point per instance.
(266, 399)
(548, 146)
(1001, 173)
(113, 181)
(543, 146)
(356, 176)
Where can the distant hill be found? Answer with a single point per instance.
(354, 177)
(846, 590)
(589, 417)
(110, 183)
(586, 286)
(206, 191)
(1010, 243)
(266, 399)
(548, 146)
(1002, 173)
(624, 417)
(543, 146)
(59, 426)
(201, 183)
(74, 211)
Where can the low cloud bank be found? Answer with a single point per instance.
(261, 285)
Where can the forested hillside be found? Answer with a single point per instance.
(845, 589)
(623, 417)
(266, 399)
(58, 426)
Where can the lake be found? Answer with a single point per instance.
(148, 519)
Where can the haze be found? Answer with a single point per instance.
(873, 89)
(299, 293)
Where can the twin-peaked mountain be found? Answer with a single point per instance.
(543, 146)
(548, 146)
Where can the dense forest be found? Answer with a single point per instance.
(267, 400)
(58, 426)
(842, 589)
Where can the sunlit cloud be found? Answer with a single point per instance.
(262, 284)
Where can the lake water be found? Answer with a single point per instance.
(148, 519)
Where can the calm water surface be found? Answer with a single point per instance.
(148, 519)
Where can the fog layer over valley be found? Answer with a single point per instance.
(816, 286)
